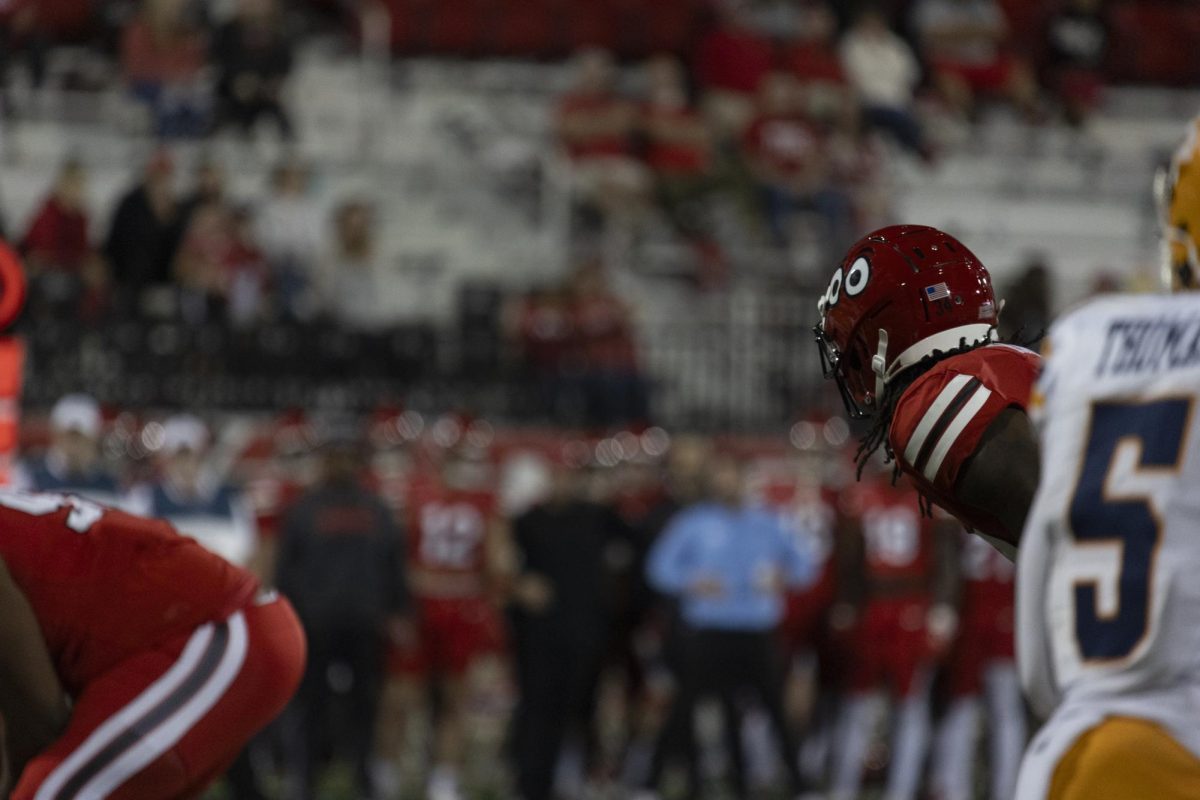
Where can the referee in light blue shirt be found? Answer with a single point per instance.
(727, 565)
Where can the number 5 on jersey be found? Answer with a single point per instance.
(1134, 453)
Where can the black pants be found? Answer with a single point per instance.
(557, 675)
(353, 658)
(723, 663)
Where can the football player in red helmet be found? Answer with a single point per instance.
(908, 331)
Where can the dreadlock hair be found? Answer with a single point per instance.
(877, 435)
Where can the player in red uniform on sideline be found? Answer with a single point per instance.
(170, 657)
(459, 556)
(907, 330)
(981, 663)
(896, 572)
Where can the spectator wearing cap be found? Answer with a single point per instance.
(191, 496)
(72, 463)
(341, 562)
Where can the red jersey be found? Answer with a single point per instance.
(614, 139)
(671, 156)
(788, 143)
(448, 530)
(898, 540)
(942, 416)
(987, 578)
(105, 585)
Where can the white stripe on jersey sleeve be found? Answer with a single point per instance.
(932, 415)
(968, 412)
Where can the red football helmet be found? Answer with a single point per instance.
(902, 293)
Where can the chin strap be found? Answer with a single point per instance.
(946, 340)
(879, 363)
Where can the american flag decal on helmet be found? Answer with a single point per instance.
(939, 291)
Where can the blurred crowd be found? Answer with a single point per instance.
(788, 108)
(778, 118)
(540, 613)
(185, 251)
(192, 68)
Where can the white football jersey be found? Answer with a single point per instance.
(1109, 566)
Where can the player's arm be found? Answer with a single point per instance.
(32, 701)
(1001, 476)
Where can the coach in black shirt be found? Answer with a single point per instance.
(341, 562)
(561, 615)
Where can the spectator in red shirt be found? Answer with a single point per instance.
(964, 42)
(730, 62)
(677, 140)
(595, 126)
(58, 251)
(814, 60)
(790, 159)
(162, 59)
(679, 151)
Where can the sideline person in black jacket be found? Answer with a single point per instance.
(341, 562)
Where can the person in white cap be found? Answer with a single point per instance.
(190, 495)
(72, 465)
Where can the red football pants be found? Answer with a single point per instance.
(166, 723)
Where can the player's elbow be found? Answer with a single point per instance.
(1002, 476)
